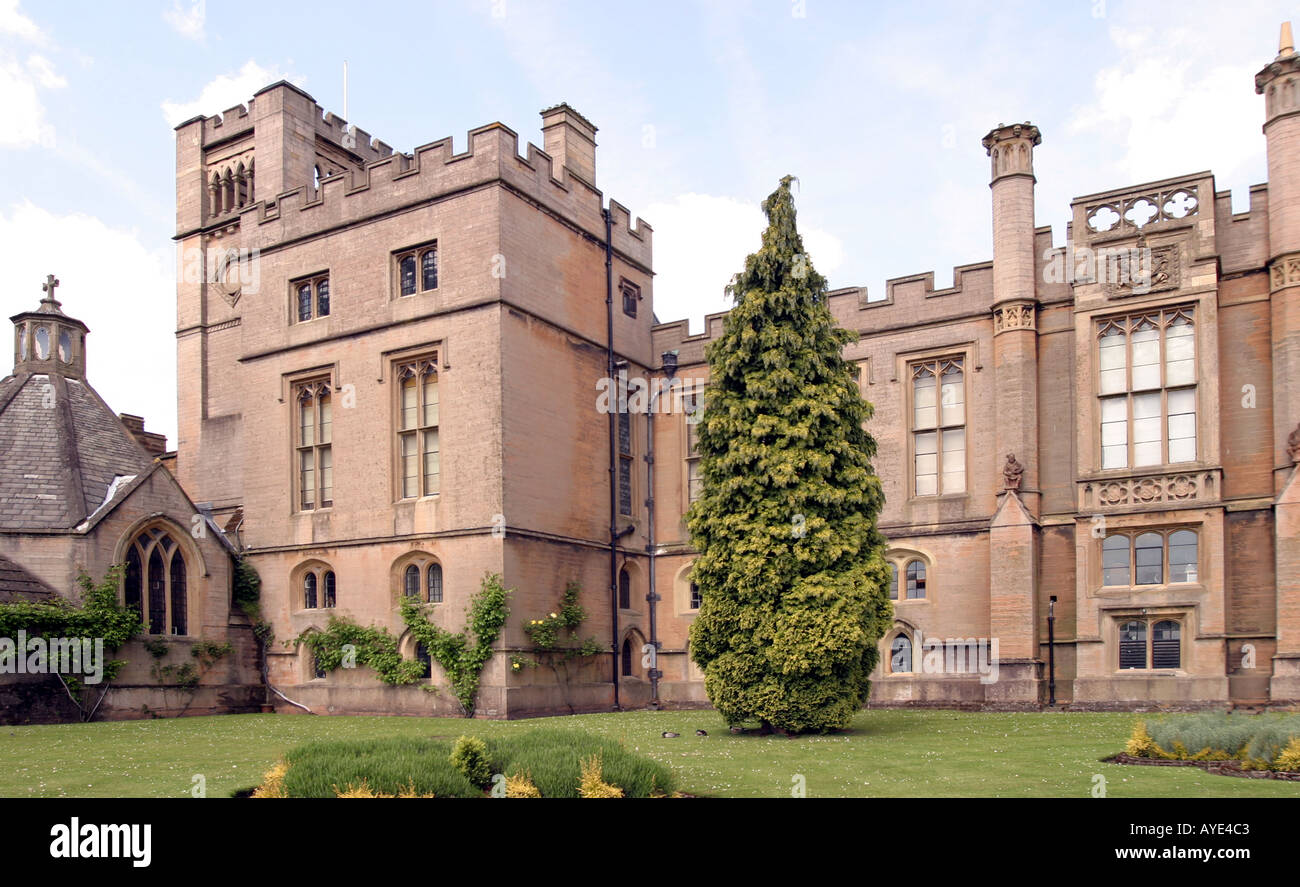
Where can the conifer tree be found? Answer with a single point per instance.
(791, 566)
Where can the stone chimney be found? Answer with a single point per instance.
(570, 139)
(154, 444)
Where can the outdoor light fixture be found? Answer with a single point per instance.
(669, 359)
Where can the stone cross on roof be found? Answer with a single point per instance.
(50, 304)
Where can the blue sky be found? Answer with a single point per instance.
(878, 109)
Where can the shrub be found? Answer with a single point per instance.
(272, 782)
(1288, 760)
(536, 762)
(470, 756)
(521, 786)
(591, 785)
(554, 758)
(420, 766)
(1256, 740)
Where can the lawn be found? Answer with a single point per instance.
(887, 753)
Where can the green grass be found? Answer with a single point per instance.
(888, 753)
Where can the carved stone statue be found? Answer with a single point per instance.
(1293, 444)
(1012, 472)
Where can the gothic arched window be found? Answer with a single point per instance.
(435, 583)
(309, 591)
(624, 589)
(412, 581)
(155, 584)
(900, 654)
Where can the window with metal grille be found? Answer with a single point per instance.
(1147, 387)
(1154, 643)
(624, 589)
(1133, 645)
(939, 427)
(1166, 644)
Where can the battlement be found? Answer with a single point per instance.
(432, 170)
(907, 300)
(357, 176)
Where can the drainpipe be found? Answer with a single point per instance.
(668, 363)
(1051, 650)
(613, 453)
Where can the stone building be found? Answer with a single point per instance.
(82, 489)
(390, 377)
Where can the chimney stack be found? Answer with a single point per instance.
(154, 444)
(570, 139)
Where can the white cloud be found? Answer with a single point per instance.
(40, 68)
(226, 91)
(1170, 114)
(14, 22)
(123, 290)
(188, 23)
(701, 240)
(21, 109)
(20, 104)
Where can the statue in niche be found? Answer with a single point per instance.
(1012, 473)
(1293, 444)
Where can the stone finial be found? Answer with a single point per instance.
(1293, 444)
(1285, 44)
(1012, 472)
(1011, 147)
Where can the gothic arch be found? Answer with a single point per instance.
(630, 654)
(163, 567)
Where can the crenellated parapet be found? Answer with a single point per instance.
(351, 177)
(431, 171)
(907, 301)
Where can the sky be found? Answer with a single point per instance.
(878, 110)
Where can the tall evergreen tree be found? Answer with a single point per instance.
(791, 567)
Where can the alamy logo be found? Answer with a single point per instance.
(948, 656)
(91, 841)
(38, 655)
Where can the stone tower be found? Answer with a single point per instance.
(1013, 535)
(1279, 83)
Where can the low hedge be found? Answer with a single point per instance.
(548, 763)
(1260, 742)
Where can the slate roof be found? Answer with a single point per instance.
(16, 584)
(61, 447)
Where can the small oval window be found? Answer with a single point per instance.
(42, 343)
(65, 347)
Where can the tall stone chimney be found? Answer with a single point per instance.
(570, 139)
(1279, 83)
